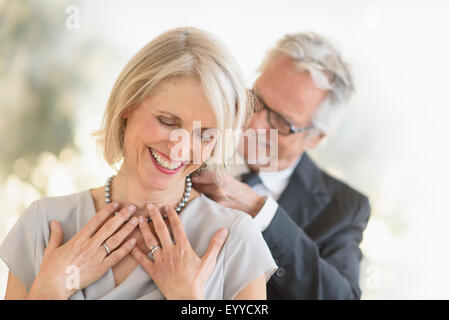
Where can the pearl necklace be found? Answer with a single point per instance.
(180, 206)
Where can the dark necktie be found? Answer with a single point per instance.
(251, 178)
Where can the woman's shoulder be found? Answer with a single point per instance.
(245, 255)
(64, 202)
(59, 207)
(205, 216)
(212, 211)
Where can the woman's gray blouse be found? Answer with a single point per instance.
(244, 257)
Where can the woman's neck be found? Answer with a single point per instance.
(126, 189)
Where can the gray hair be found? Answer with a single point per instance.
(315, 54)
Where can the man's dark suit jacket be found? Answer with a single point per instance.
(314, 237)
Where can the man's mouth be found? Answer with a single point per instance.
(163, 162)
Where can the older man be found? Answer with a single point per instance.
(312, 222)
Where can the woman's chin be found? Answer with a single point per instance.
(158, 180)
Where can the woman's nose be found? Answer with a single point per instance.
(180, 147)
(186, 147)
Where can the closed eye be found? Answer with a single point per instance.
(167, 121)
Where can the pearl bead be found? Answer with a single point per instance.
(181, 204)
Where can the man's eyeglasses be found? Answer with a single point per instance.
(275, 120)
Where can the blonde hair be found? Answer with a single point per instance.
(179, 52)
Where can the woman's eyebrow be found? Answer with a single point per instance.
(169, 113)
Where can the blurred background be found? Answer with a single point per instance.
(59, 60)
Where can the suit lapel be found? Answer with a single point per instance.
(306, 193)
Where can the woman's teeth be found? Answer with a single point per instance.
(164, 163)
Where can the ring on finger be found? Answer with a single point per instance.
(153, 249)
(108, 251)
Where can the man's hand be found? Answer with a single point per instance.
(229, 192)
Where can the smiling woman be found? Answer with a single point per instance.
(113, 242)
(147, 141)
(173, 55)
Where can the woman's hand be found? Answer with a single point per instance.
(177, 271)
(84, 254)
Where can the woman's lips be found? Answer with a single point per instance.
(168, 161)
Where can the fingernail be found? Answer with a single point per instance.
(133, 241)
(115, 205)
(140, 219)
(53, 225)
(150, 206)
(131, 208)
(133, 221)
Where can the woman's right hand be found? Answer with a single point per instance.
(84, 254)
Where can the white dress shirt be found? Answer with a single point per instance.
(271, 188)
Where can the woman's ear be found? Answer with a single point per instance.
(125, 113)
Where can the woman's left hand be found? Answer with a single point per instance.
(177, 271)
